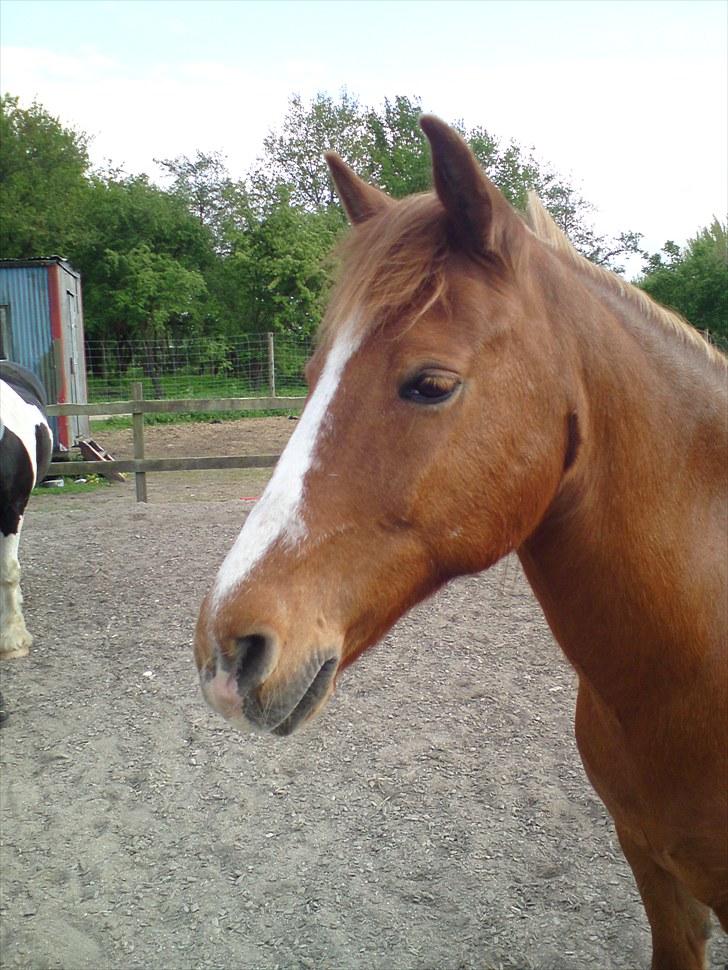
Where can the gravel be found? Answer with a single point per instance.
(435, 817)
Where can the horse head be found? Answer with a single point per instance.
(433, 439)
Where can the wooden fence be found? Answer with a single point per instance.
(138, 407)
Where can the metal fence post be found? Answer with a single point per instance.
(271, 364)
(140, 478)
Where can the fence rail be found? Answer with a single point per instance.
(142, 465)
(138, 407)
(178, 406)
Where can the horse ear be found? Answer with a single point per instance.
(360, 201)
(468, 196)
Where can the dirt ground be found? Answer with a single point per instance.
(253, 436)
(436, 816)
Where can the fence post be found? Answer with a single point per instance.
(271, 364)
(140, 478)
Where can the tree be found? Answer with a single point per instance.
(212, 256)
(398, 160)
(120, 211)
(387, 146)
(151, 290)
(205, 187)
(148, 294)
(294, 156)
(43, 168)
(126, 235)
(516, 171)
(276, 279)
(694, 280)
(128, 215)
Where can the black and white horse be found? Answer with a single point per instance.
(26, 445)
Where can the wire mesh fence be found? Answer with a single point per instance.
(254, 365)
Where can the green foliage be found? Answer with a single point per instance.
(213, 257)
(205, 188)
(516, 171)
(42, 179)
(122, 423)
(188, 385)
(398, 161)
(388, 147)
(293, 162)
(279, 267)
(149, 289)
(120, 211)
(139, 237)
(694, 280)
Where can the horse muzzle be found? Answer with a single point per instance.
(247, 685)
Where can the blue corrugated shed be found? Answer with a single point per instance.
(26, 340)
(41, 327)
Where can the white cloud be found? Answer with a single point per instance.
(135, 116)
(644, 135)
(646, 142)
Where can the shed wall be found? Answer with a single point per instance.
(24, 290)
(43, 330)
(71, 344)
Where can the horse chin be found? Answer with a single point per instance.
(306, 710)
(283, 711)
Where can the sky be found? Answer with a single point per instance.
(629, 99)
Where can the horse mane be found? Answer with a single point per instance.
(398, 260)
(542, 224)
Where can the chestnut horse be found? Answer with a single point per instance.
(479, 387)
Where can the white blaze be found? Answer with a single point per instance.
(278, 513)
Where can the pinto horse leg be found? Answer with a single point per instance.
(680, 924)
(15, 640)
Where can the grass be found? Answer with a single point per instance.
(72, 487)
(184, 386)
(122, 422)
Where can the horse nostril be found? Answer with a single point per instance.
(255, 660)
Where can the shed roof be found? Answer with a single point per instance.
(40, 261)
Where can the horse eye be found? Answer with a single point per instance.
(430, 387)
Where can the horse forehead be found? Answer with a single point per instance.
(471, 313)
(441, 336)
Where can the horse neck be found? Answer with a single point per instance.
(629, 563)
